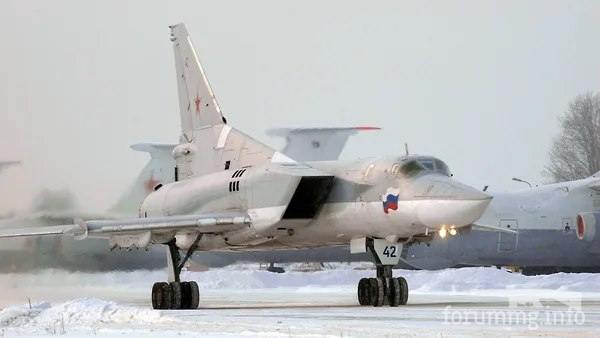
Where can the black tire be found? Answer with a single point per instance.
(194, 295)
(380, 292)
(363, 294)
(176, 299)
(376, 292)
(403, 290)
(186, 294)
(161, 296)
(157, 298)
(371, 291)
(395, 292)
(167, 296)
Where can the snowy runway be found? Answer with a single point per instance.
(243, 301)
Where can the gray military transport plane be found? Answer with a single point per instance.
(554, 230)
(234, 193)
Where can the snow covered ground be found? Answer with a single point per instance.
(242, 300)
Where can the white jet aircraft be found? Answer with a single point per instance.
(234, 193)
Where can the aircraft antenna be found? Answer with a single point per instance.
(406, 148)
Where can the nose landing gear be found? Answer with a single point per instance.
(175, 294)
(384, 289)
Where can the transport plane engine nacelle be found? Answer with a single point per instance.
(587, 223)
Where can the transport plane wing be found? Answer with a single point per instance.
(493, 228)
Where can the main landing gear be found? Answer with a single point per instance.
(384, 289)
(176, 294)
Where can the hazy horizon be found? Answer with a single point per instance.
(478, 84)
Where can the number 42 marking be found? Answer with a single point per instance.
(389, 251)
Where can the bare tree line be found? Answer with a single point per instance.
(575, 151)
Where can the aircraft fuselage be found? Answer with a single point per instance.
(331, 207)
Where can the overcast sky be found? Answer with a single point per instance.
(479, 84)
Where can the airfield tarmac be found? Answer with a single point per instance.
(243, 301)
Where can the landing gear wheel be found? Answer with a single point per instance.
(371, 291)
(377, 291)
(194, 298)
(403, 290)
(395, 292)
(363, 292)
(158, 300)
(185, 295)
(176, 296)
(167, 294)
(162, 295)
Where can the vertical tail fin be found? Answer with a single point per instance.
(197, 103)
(207, 144)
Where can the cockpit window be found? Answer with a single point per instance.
(411, 168)
(442, 167)
(395, 169)
(415, 166)
(427, 163)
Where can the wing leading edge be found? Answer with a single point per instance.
(203, 223)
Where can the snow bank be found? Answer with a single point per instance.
(454, 280)
(249, 276)
(468, 279)
(59, 308)
(83, 314)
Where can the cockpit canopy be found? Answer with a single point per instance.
(415, 165)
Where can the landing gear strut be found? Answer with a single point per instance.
(176, 294)
(384, 289)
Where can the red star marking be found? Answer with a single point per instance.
(197, 102)
(150, 184)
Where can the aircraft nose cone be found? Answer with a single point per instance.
(452, 203)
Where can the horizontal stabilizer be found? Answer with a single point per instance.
(155, 149)
(316, 144)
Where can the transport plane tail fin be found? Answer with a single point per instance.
(160, 169)
(208, 144)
